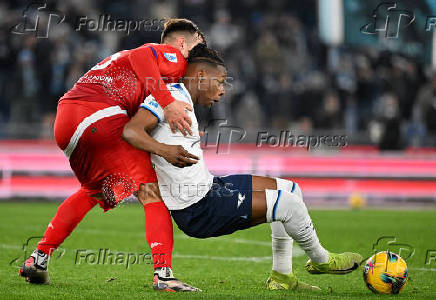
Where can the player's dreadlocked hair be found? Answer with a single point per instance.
(201, 53)
(173, 25)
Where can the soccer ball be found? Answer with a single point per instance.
(385, 273)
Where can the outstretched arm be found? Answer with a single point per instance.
(145, 64)
(136, 131)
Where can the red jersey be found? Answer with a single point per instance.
(128, 76)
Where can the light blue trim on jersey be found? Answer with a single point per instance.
(275, 206)
(152, 111)
(181, 90)
(294, 185)
(177, 90)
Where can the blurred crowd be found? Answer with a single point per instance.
(281, 75)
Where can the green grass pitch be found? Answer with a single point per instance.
(230, 267)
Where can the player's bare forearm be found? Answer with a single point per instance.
(136, 132)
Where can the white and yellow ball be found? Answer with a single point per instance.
(385, 273)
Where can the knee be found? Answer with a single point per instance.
(289, 186)
(283, 205)
(297, 190)
(149, 193)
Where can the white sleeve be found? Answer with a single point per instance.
(151, 104)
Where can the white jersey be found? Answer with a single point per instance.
(179, 187)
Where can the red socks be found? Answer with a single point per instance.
(159, 233)
(68, 215)
(158, 227)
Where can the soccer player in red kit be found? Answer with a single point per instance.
(88, 128)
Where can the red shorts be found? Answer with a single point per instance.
(90, 134)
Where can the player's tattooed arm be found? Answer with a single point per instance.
(136, 133)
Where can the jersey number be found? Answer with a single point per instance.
(113, 57)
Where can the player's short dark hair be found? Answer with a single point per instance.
(201, 53)
(181, 25)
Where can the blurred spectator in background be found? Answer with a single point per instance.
(386, 126)
(276, 64)
(390, 119)
(7, 59)
(425, 109)
(25, 106)
(223, 34)
(329, 116)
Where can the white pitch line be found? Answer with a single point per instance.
(226, 240)
(256, 259)
(423, 269)
(296, 253)
(226, 258)
(14, 247)
(110, 232)
(244, 241)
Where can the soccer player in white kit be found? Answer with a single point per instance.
(206, 206)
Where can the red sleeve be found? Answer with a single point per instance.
(144, 63)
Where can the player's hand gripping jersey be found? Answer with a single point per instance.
(179, 187)
(128, 76)
(91, 116)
